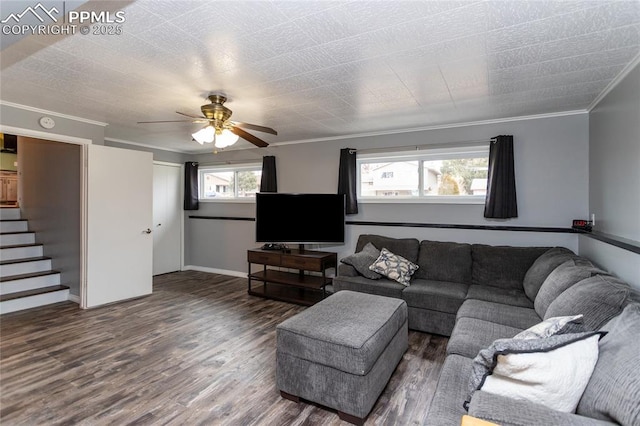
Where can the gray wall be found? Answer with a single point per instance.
(551, 159)
(614, 160)
(24, 119)
(614, 177)
(158, 154)
(49, 197)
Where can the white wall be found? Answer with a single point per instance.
(551, 158)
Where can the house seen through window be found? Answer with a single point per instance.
(228, 182)
(440, 174)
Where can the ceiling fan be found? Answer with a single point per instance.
(219, 129)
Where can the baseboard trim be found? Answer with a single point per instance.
(215, 271)
(74, 298)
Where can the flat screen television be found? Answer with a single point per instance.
(299, 218)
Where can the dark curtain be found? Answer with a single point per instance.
(191, 186)
(347, 177)
(500, 202)
(269, 181)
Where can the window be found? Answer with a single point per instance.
(454, 174)
(229, 182)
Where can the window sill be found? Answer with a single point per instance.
(228, 200)
(424, 200)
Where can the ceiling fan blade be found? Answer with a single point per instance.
(167, 121)
(255, 127)
(191, 116)
(249, 137)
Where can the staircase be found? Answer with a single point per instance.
(26, 278)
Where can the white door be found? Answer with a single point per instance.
(118, 224)
(167, 217)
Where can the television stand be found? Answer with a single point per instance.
(296, 287)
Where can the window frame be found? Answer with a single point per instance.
(421, 155)
(235, 168)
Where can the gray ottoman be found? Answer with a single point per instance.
(341, 352)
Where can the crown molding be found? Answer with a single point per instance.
(625, 71)
(55, 114)
(39, 134)
(144, 145)
(437, 127)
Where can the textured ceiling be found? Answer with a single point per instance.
(321, 69)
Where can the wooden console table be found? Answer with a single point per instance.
(297, 287)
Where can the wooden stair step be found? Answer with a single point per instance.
(21, 246)
(24, 260)
(29, 275)
(27, 293)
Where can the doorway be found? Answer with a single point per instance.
(167, 217)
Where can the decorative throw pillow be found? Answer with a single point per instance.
(363, 259)
(394, 267)
(552, 371)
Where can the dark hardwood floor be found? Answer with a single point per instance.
(198, 351)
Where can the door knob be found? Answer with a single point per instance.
(147, 231)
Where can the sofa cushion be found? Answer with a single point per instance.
(405, 247)
(444, 261)
(598, 298)
(363, 259)
(447, 404)
(438, 296)
(513, 316)
(381, 287)
(560, 279)
(502, 266)
(542, 267)
(470, 335)
(614, 389)
(551, 371)
(500, 410)
(347, 270)
(506, 296)
(394, 267)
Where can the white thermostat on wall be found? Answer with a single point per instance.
(47, 122)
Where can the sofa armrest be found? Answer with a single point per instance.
(510, 412)
(347, 271)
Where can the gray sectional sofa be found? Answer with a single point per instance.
(477, 293)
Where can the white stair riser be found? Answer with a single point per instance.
(25, 267)
(14, 226)
(25, 284)
(9, 214)
(33, 301)
(20, 252)
(15, 239)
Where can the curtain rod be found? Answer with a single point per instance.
(421, 147)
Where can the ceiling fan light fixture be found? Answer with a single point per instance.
(204, 135)
(225, 138)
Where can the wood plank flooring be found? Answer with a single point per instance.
(198, 351)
